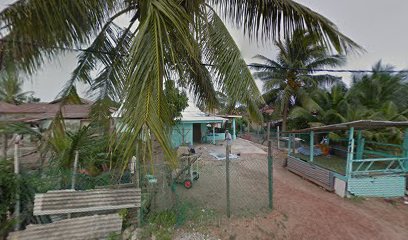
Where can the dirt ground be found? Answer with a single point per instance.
(302, 210)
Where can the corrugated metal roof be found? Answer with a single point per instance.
(360, 124)
(90, 227)
(194, 114)
(41, 111)
(6, 107)
(71, 201)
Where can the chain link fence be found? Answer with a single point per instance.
(219, 187)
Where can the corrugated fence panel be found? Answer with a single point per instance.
(318, 175)
(381, 186)
(70, 201)
(91, 227)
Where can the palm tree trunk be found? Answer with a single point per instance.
(285, 115)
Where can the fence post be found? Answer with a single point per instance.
(17, 173)
(228, 181)
(405, 148)
(350, 152)
(289, 143)
(278, 136)
(311, 151)
(270, 170)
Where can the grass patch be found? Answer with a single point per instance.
(162, 224)
(356, 199)
(333, 163)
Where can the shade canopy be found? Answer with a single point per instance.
(358, 125)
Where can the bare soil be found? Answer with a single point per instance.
(302, 210)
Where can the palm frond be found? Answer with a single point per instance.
(144, 106)
(272, 18)
(72, 24)
(232, 75)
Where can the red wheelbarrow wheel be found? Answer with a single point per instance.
(188, 184)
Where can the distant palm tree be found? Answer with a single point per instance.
(163, 39)
(379, 88)
(375, 96)
(324, 107)
(11, 92)
(283, 81)
(11, 88)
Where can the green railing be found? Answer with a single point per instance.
(394, 165)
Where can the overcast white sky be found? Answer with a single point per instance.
(379, 26)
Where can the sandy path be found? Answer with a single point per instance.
(306, 211)
(302, 209)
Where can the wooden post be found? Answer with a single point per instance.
(311, 146)
(228, 181)
(350, 152)
(17, 173)
(278, 136)
(270, 171)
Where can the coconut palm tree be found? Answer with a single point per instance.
(283, 82)
(11, 88)
(323, 107)
(163, 40)
(380, 88)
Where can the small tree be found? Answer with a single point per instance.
(177, 100)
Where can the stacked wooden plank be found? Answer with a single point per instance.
(89, 202)
(90, 227)
(71, 201)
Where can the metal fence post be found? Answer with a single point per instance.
(270, 171)
(228, 181)
(278, 136)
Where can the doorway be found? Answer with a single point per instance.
(197, 132)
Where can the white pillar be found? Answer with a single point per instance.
(234, 136)
(17, 173)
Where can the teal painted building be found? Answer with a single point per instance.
(196, 126)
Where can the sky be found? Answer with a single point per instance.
(378, 26)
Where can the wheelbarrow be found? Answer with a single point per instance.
(185, 175)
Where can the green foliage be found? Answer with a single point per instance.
(375, 96)
(11, 88)
(285, 87)
(161, 225)
(177, 100)
(171, 39)
(8, 187)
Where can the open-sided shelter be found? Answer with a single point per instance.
(351, 165)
